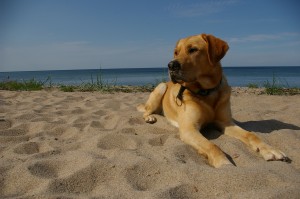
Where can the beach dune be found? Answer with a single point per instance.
(93, 145)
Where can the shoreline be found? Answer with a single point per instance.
(237, 76)
(150, 88)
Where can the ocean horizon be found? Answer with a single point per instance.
(288, 76)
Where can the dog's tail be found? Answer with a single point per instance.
(141, 108)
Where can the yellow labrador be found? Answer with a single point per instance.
(199, 94)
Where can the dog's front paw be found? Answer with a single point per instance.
(271, 154)
(150, 119)
(219, 161)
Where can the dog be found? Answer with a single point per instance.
(198, 94)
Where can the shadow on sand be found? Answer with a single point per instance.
(263, 126)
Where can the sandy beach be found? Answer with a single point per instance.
(55, 144)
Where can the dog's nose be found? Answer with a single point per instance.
(174, 65)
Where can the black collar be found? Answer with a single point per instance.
(200, 92)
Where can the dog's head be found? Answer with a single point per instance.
(197, 60)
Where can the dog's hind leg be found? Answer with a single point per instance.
(224, 120)
(153, 104)
(255, 143)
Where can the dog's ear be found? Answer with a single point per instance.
(217, 48)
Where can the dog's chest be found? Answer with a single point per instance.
(209, 101)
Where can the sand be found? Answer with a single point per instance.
(93, 145)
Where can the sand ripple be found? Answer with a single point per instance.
(92, 145)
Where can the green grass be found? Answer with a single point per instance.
(252, 85)
(33, 85)
(29, 85)
(277, 90)
(67, 88)
(275, 87)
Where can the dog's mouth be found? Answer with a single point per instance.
(178, 77)
(178, 74)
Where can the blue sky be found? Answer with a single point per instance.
(83, 34)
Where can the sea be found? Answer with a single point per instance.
(286, 76)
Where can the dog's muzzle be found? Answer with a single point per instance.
(174, 71)
(174, 65)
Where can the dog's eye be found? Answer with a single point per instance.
(192, 50)
(176, 53)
